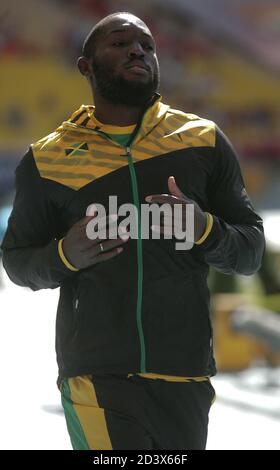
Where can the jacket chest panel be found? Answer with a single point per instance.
(191, 168)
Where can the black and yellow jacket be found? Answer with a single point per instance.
(147, 309)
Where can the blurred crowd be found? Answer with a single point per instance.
(201, 71)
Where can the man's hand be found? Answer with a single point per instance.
(177, 197)
(83, 252)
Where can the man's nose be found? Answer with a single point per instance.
(136, 50)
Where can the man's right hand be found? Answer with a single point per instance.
(83, 252)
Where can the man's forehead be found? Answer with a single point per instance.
(122, 23)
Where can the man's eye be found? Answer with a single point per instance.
(119, 43)
(149, 47)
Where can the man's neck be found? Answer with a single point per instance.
(116, 115)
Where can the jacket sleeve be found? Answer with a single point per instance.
(236, 242)
(30, 246)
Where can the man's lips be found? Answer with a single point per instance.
(138, 70)
(139, 67)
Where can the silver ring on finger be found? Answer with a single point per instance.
(101, 247)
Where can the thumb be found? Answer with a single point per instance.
(91, 210)
(90, 213)
(173, 188)
(85, 220)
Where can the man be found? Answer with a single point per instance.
(133, 339)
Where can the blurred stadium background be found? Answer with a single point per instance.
(219, 59)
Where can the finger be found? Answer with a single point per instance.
(106, 256)
(173, 188)
(177, 216)
(164, 198)
(123, 232)
(110, 244)
(97, 237)
(95, 248)
(170, 228)
(167, 230)
(91, 210)
(98, 227)
(178, 234)
(85, 220)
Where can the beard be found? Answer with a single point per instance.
(119, 91)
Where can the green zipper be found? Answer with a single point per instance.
(139, 245)
(139, 262)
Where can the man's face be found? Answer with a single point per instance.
(125, 65)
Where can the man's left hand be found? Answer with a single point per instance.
(177, 197)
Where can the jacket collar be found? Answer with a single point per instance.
(153, 115)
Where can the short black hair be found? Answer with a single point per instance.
(89, 45)
(88, 49)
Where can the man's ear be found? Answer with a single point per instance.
(84, 66)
